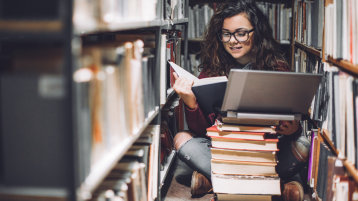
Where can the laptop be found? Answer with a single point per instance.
(270, 91)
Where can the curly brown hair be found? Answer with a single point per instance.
(215, 60)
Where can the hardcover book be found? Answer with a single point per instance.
(239, 184)
(244, 128)
(213, 131)
(243, 155)
(245, 144)
(243, 168)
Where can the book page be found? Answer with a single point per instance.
(182, 72)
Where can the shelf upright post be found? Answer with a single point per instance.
(69, 101)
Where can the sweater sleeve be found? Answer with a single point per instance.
(196, 120)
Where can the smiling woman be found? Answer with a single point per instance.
(238, 36)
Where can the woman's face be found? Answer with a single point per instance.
(240, 27)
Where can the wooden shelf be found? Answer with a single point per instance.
(101, 169)
(166, 169)
(309, 49)
(344, 65)
(347, 164)
(351, 170)
(31, 25)
(328, 141)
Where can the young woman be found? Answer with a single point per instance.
(238, 36)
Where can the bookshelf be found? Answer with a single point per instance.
(323, 30)
(50, 55)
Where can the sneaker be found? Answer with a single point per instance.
(200, 185)
(293, 191)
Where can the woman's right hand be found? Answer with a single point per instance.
(182, 87)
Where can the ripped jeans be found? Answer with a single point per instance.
(197, 155)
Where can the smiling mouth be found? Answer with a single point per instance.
(235, 48)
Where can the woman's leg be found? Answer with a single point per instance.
(194, 151)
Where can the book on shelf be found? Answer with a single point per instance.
(231, 143)
(242, 184)
(243, 167)
(204, 89)
(322, 167)
(246, 197)
(344, 188)
(214, 131)
(243, 155)
(335, 168)
(251, 118)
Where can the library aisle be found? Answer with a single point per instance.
(179, 188)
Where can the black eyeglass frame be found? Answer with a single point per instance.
(233, 34)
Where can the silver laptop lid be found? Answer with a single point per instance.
(270, 91)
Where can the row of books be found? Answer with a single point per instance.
(341, 117)
(309, 20)
(279, 16)
(134, 177)
(199, 17)
(244, 159)
(327, 175)
(88, 15)
(306, 62)
(116, 87)
(170, 50)
(341, 30)
(174, 9)
(335, 110)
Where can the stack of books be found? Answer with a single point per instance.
(244, 158)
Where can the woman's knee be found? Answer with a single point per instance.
(181, 138)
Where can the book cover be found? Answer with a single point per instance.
(243, 155)
(243, 167)
(239, 184)
(322, 171)
(204, 89)
(213, 131)
(245, 144)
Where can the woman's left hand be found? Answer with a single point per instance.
(287, 127)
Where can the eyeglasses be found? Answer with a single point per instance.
(239, 35)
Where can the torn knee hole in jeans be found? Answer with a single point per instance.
(187, 157)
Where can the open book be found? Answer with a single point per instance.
(209, 91)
